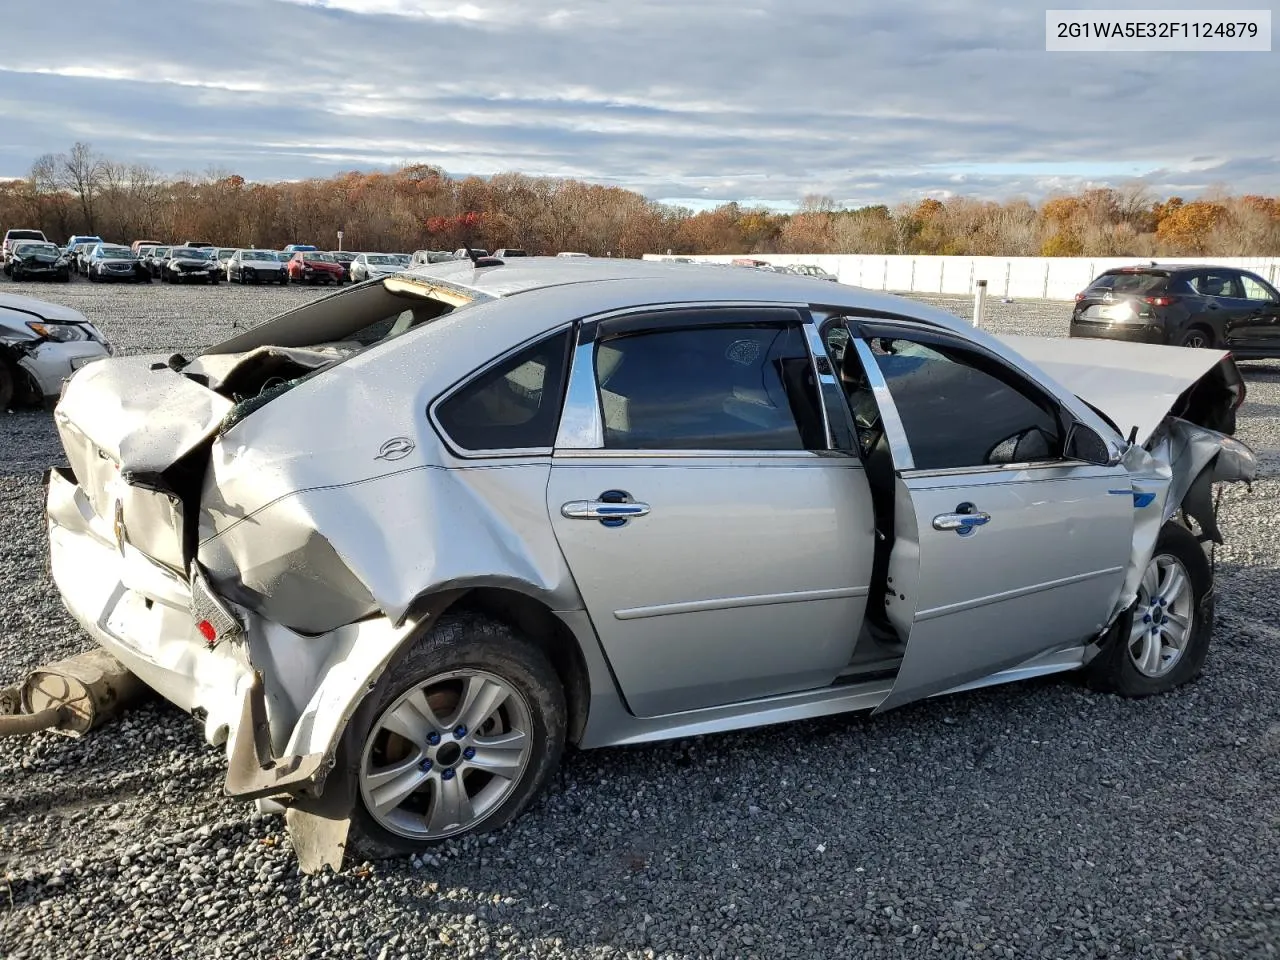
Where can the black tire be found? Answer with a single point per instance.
(457, 642)
(1114, 671)
(8, 383)
(15, 275)
(1197, 337)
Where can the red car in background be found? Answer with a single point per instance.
(316, 266)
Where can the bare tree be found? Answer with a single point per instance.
(81, 172)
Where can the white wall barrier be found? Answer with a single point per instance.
(1021, 278)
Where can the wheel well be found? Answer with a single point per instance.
(536, 621)
(1203, 328)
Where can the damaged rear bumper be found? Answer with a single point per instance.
(141, 612)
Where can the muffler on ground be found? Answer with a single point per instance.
(72, 696)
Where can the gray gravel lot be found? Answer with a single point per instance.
(1037, 820)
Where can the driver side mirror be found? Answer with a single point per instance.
(1085, 445)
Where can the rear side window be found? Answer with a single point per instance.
(513, 406)
(1216, 283)
(733, 387)
(957, 414)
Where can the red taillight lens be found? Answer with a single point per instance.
(207, 630)
(1159, 301)
(1079, 297)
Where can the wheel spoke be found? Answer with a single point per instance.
(1150, 580)
(1151, 649)
(451, 806)
(1174, 585)
(1178, 620)
(1138, 629)
(388, 786)
(480, 699)
(413, 719)
(501, 755)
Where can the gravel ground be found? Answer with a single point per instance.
(1036, 820)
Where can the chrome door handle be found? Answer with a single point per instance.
(613, 508)
(964, 521)
(602, 510)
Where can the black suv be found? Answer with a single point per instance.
(1185, 305)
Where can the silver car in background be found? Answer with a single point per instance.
(256, 266)
(399, 546)
(366, 266)
(41, 345)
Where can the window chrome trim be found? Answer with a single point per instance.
(824, 381)
(995, 468)
(581, 422)
(896, 434)
(466, 453)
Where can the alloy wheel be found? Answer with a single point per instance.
(1164, 619)
(446, 754)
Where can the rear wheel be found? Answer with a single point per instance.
(7, 385)
(1197, 337)
(464, 733)
(1160, 643)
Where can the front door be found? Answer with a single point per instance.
(723, 552)
(1004, 549)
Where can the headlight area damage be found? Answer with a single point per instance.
(265, 633)
(1166, 400)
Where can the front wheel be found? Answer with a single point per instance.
(1160, 643)
(464, 733)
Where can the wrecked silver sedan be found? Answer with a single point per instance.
(398, 547)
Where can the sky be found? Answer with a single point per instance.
(695, 102)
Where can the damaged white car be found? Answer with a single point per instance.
(398, 547)
(41, 345)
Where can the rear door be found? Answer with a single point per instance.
(1005, 548)
(722, 547)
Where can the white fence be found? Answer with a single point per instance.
(1044, 278)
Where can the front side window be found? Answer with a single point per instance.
(1256, 290)
(746, 387)
(514, 405)
(958, 411)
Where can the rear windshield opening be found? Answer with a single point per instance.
(1137, 283)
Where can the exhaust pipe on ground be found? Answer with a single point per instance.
(72, 696)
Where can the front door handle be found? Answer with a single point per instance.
(964, 521)
(613, 508)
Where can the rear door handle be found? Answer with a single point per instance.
(613, 508)
(602, 510)
(964, 521)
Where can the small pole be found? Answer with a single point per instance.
(339, 239)
(979, 301)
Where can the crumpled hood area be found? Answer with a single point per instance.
(1135, 384)
(41, 308)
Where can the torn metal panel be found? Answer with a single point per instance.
(1179, 462)
(1135, 384)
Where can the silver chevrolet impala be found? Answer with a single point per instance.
(398, 547)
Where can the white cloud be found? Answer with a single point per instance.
(760, 100)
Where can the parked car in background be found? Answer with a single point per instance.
(461, 253)
(1197, 305)
(570, 253)
(224, 254)
(295, 247)
(155, 260)
(196, 243)
(430, 586)
(191, 265)
(41, 344)
(345, 258)
(809, 270)
(37, 260)
(425, 257)
(77, 240)
(503, 253)
(748, 262)
(316, 266)
(110, 262)
(17, 235)
(137, 246)
(369, 265)
(256, 266)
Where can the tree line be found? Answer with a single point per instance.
(421, 207)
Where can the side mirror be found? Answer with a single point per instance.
(1085, 445)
